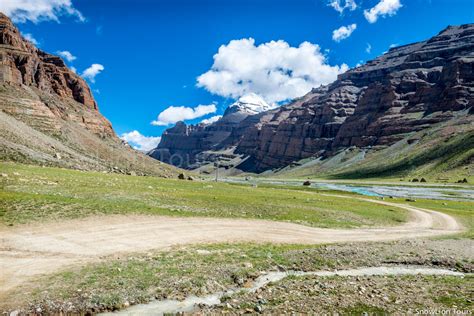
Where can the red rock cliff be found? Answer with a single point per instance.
(24, 65)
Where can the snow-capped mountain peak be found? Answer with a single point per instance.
(251, 103)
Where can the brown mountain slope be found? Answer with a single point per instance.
(392, 105)
(48, 115)
(409, 89)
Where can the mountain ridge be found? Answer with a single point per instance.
(409, 89)
(198, 143)
(49, 116)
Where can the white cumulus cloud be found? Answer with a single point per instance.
(66, 55)
(30, 38)
(343, 32)
(274, 70)
(211, 120)
(91, 72)
(383, 8)
(350, 5)
(38, 10)
(175, 114)
(140, 142)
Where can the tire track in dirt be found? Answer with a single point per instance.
(27, 251)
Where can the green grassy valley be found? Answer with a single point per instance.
(34, 194)
(261, 158)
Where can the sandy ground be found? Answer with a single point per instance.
(30, 250)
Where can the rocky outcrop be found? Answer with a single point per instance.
(48, 114)
(22, 64)
(408, 89)
(188, 146)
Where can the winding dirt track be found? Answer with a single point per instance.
(31, 250)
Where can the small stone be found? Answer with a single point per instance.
(239, 280)
(262, 301)
(57, 156)
(4, 175)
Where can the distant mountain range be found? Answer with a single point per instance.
(48, 114)
(408, 112)
(189, 146)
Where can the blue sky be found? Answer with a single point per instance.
(152, 52)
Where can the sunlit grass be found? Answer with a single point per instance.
(32, 193)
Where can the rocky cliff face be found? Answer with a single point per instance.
(406, 90)
(49, 116)
(188, 146)
(409, 89)
(22, 64)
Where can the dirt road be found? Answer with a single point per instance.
(30, 250)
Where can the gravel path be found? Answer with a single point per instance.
(30, 250)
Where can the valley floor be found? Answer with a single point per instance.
(78, 241)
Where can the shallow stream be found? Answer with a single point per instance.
(401, 191)
(192, 302)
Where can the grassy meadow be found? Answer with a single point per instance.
(117, 282)
(32, 194)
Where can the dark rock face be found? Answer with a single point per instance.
(22, 64)
(183, 145)
(407, 89)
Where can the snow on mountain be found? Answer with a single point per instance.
(252, 104)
